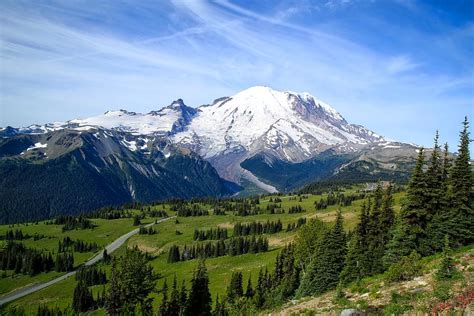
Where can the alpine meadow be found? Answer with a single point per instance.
(242, 196)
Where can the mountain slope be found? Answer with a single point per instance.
(68, 172)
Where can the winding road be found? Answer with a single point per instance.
(110, 248)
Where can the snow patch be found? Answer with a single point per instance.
(37, 146)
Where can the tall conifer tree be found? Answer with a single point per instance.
(199, 300)
(462, 184)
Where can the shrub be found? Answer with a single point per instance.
(442, 291)
(405, 269)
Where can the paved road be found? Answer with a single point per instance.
(110, 248)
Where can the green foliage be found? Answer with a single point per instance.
(439, 202)
(406, 269)
(462, 183)
(443, 290)
(399, 304)
(308, 239)
(235, 289)
(447, 269)
(369, 242)
(199, 300)
(323, 271)
(132, 280)
(82, 300)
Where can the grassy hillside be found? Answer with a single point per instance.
(170, 233)
(421, 295)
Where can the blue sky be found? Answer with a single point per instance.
(401, 68)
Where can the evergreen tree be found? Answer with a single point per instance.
(352, 267)
(113, 301)
(388, 214)
(357, 263)
(308, 239)
(434, 181)
(324, 270)
(82, 298)
(174, 308)
(462, 182)
(375, 234)
(235, 289)
(199, 300)
(414, 213)
(447, 269)
(133, 280)
(249, 292)
(163, 310)
(220, 308)
(401, 243)
(183, 297)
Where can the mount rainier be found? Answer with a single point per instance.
(274, 140)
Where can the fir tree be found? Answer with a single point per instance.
(235, 289)
(325, 268)
(82, 298)
(446, 269)
(375, 234)
(414, 213)
(434, 181)
(462, 178)
(133, 280)
(174, 308)
(183, 298)
(113, 301)
(401, 243)
(199, 300)
(163, 310)
(249, 292)
(220, 308)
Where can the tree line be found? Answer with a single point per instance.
(257, 228)
(210, 234)
(67, 244)
(340, 199)
(73, 222)
(233, 246)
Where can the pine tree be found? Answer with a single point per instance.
(462, 182)
(114, 298)
(249, 292)
(199, 300)
(414, 213)
(183, 298)
(352, 267)
(388, 214)
(324, 270)
(220, 308)
(82, 298)
(434, 181)
(375, 234)
(259, 298)
(235, 289)
(447, 269)
(133, 280)
(174, 303)
(401, 243)
(163, 310)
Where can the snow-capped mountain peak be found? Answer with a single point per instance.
(283, 124)
(260, 118)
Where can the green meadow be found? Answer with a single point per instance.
(172, 232)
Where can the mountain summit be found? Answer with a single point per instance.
(292, 126)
